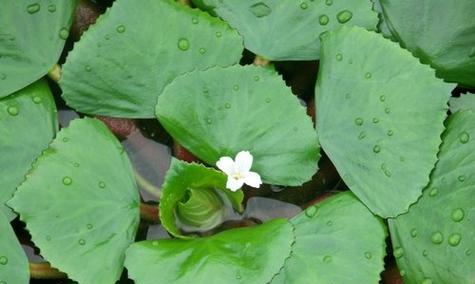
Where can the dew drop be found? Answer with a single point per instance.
(304, 6)
(268, 100)
(387, 110)
(329, 223)
(413, 233)
(437, 238)
(377, 148)
(76, 165)
(382, 98)
(183, 44)
(3, 260)
(457, 215)
(37, 99)
(3, 76)
(89, 226)
(368, 75)
(236, 87)
(402, 272)
(327, 259)
(425, 253)
(328, 2)
(63, 33)
(311, 211)
(195, 21)
(461, 178)
(390, 133)
(67, 181)
(257, 78)
(88, 68)
(358, 121)
(65, 139)
(102, 184)
(218, 34)
(81, 242)
(209, 121)
(48, 238)
(362, 135)
(33, 8)
(339, 57)
(202, 50)
(375, 120)
(227, 105)
(434, 192)
(260, 10)
(468, 252)
(120, 29)
(323, 20)
(51, 8)
(398, 252)
(238, 275)
(464, 137)
(344, 16)
(13, 110)
(454, 239)
(426, 281)
(368, 255)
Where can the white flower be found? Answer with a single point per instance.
(239, 171)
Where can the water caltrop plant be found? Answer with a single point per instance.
(361, 113)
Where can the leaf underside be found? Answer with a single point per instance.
(80, 203)
(32, 36)
(435, 240)
(222, 111)
(121, 65)
(288, 29)
(28, 123)
(378, 108)
(439, 32)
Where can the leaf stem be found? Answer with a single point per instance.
(146, 185)
(44, 270)
(55, 72)
(149, 213)
(260, 61)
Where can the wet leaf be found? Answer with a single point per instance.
(435, 241)
(80, 203)
(28, 124)
(32, 36)
(158, 41)
(380, 116)
(222, 111)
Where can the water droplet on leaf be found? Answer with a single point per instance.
(13, 110)
(183, 44)
(3, 260)
(359, 121)
(89, 226)
(33, 8)
(81, 242)
(202, 50)
(464, 137)
(382, 98)
(437, 238)
(260, 10)
(362, 135)
(102, 184)
(368, 75)
(67, 181)
(368, 255)
(339, 57)
(390, 133)
(311, 211)
(323, 20)
(236, 87)
(413, 233)
(304, 6)
(227, 105)
(375, 120)
(194, 21)
(454, 239)
(51, 8)
(434, 192)
(120, 29)
(427, 281)
(344, 16)
(63, 33)
(377, 148)
(458, 215)
(37, 99)
(327, 259)
(398, 252)
(328, 2)
(461, 178)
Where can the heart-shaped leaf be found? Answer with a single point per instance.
(464, 102)
(80, 203)
(121, 64)
(439, 32)
(435, 241)
(246, 255)
(28, 124)
(380, 116)
(32, 36)
(289, 29)
(13, 261)
(183, 177)
(336, 241)
(222, 111)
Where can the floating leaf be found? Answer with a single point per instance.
(336, 241)
(27, 125)
(464, 102)
(13, 261)
(246, 255)
(439, 32)
(222, 111)
(183, 179)
(289, 29)
(158, 40)
(32, 36)
(435, 241)
(80, 203)
(380, 115)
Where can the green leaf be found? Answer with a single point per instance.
(439, 32)
(245, 255)
(336, 241)
(380, 116)
(222, 111)
(13, 261)
(32, 36)
(28, 124)
(80, 203)
(464, 102)
(435, 241)
(289, 29)
(179, 180)
(121, 64)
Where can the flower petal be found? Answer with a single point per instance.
(253, 179)
(234, 184)
(243, 161)
(226, 164)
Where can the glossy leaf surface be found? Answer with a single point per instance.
(378, 109)
(80, 203)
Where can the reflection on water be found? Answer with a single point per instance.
(150, 160)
